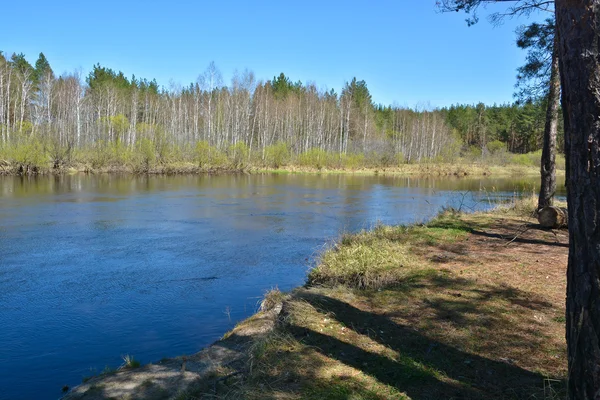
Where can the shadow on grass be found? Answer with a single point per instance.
(521, 239)
(426, 368)
(434, 336)
(453, 222)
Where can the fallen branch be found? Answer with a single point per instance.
(517, 235)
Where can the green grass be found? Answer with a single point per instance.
(386, 255)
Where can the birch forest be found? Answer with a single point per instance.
(106, 120)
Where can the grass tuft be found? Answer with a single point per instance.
(386, 255)
(129, 362)
(272, 299)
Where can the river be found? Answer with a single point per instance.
(96, 267)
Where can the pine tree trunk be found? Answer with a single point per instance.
(548, 164)
(578, 29)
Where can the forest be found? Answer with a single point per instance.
(107, 120)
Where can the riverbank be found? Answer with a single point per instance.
(425, 169)
(433, 169)
(466, 306)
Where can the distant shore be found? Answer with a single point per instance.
(424, 169)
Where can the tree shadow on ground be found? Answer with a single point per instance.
(522, 240)
(427, 368)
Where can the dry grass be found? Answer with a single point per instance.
(272, 299)
(129, 362)
(459, 169)
(525, 208)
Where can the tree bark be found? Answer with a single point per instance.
(578, 30)
(553, 217)
(548, 164)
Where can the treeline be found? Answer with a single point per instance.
(518, 127)
(108, 120)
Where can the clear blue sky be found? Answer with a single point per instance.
(406, 52)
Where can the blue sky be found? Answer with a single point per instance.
(407, 53)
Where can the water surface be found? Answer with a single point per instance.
(96, 267)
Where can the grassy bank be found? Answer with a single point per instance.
(425, 169)
(42, 158)
(460, 169)
(466, 306)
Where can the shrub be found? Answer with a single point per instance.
(238, 155)
(383, 159)
(315, 158)
(473, 153)
(209, 156)
(28, 152)
(525, 160)
(400, 159)
(277, 155)
(496, 146)
(352, 161)
(146, 150)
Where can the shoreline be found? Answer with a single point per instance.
(359, 281)
(174, 376)
(429, 169)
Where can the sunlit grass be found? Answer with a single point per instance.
(386, 255)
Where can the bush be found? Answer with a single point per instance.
(238, 155)
(315, 158)
(496, 146)
(381, 159)
(209, 156)
(524, 160)
(352, 161)
(277, 155)
(146, 151)
(473, 153)
(400, 159)
(121, 154)
(29, 153)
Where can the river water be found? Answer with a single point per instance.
(96, 267)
